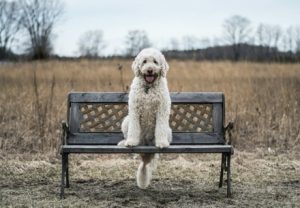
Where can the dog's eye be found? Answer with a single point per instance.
(145, 61)
(155, 61)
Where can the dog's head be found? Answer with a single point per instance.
(150, 64)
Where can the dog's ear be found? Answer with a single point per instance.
(165, 66)
(136, 66)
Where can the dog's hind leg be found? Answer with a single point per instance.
(144, 172)
(124, 128)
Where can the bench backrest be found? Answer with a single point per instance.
(95, 118)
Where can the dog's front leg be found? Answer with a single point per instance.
(162, 128)
(134, 130)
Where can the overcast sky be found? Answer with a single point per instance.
(163, 19)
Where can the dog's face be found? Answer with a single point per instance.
(150, 64)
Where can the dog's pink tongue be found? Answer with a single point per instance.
(149, 78)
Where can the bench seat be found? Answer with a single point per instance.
(147, 149)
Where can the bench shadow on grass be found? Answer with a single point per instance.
(162, 191)
(168, 192)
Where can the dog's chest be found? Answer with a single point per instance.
(148, 103)
(147, 115)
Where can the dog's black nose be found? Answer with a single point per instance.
(150, 71)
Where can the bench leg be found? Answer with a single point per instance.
(222, 170)
(63, 172)
(228, 176)
(67, 171)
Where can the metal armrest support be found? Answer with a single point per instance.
(65, 131)
(229, 129)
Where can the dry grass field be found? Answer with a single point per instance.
(262, 99)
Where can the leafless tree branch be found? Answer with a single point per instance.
(39, 18)
(91, 43)
(9, 25)
(136, 40)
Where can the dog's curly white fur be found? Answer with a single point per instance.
(149, 107)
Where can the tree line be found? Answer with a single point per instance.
(30, 24)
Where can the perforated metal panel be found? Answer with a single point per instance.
(109, 117)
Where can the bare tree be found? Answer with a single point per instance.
(263, 33)
(260, 34)
(290, 40)
(136, 40)
(190, 42)
(236, 30)
(205, 42)
(216, 41)
(173, 44)
(39, 17)
(277, 35)
(297, 36)
(91, 43)
(9, 26)
(284, 42)
(268, 35)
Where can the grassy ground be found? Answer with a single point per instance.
(259, 180)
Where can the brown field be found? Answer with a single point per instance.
(262, 100)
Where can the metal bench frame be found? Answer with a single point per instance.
(75, 142)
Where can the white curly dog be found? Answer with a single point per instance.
(149, 108)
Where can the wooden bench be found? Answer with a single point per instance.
(94, 121)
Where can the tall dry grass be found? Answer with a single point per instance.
(262, 99)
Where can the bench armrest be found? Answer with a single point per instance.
(229, 129)
(65, 131)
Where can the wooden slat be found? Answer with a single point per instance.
(218, 118)
(94, 97)
(147, 149)
(197, 138)
(95, 138)
(176, 97)
(197, 97)
(114, 138)
(74, 118)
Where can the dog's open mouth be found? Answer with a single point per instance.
(150, 78)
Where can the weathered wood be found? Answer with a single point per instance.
(114, 138)
(218, 118)
(197, 97)
(176, 97)
(74, 118)
(146, 149)
(95, 97)
(95, 138)
(197, 138)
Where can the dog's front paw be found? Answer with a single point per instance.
(131, 143)
(122, 143)
(162, 143)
